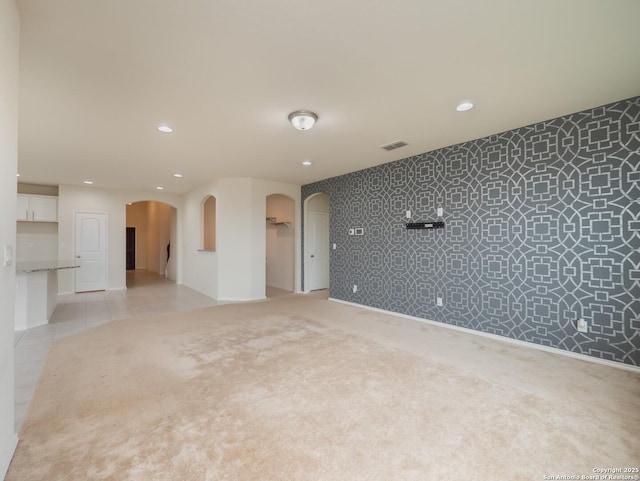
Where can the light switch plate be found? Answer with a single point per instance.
(440, 212)
(8, 255)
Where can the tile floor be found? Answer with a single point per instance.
(146, 293)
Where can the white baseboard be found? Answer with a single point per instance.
(242, 300)
(6, 455)
(111, 289)
(530, 345)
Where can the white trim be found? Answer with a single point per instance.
(241, 300)
(111, 289)
(531, 345)
(6, 457)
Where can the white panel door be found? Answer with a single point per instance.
(318, 251)
(91, 252)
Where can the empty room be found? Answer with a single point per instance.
(294, 240)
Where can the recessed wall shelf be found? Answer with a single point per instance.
(274, 221)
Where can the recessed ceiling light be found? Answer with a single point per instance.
(306, 162)
(165, 129)
(88, 182)
(159, 188)
(178, 175)
(464, 106)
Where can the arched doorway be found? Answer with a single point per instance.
(280, 245)
(316, 242)
(151, 242)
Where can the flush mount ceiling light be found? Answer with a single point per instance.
(178, 175)
(302, 119)
(306, 163)
(88, 182)
(464, 106)
(165, 129)
(159, 188)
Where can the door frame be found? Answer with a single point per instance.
(305, 262)
(106, 247)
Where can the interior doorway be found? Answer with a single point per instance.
(316, 245)
(131, 248)
(280, 249)
(151, 238)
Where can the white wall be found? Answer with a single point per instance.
(281, 242)
(236, 271)
(74, 199)
(235, 236)
(200, 267)
(37, 241)
(9, 66)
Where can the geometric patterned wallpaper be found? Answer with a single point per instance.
(542, 226)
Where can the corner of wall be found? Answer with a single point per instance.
(9, 68)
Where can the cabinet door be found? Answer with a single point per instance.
(22, 207)
(45, 208)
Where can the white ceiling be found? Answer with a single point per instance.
(98, 76)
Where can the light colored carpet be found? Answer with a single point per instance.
(302, 388)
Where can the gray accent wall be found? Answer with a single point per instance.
(542, 226)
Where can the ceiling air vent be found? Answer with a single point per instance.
(394, 145)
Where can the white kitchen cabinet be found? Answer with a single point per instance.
(37, 208)
(22, 207)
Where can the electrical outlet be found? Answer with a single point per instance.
(359, 231)
(355, 288)
(352, 231)
(439, 301)
(408, 214)
(582, 325)
(440, 212)
(334, 246)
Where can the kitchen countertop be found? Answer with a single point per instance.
(43, 266)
